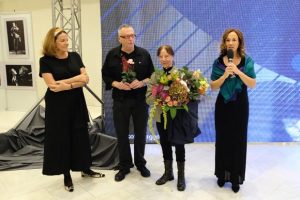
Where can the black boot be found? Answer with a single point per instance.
(235, 188)
(181, 180)
(168, 175)
(221, 182)
(235, 184)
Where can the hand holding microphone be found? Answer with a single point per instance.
(230, 55)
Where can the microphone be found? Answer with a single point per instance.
(230, 59)
(230, 55)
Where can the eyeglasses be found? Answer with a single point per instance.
(128, 36)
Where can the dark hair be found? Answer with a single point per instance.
(241, 48)
(168, 49)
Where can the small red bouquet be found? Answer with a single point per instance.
(128, 73)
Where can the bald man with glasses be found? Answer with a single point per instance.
(129, 98)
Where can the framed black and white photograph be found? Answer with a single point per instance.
(19, 76)
(16, 37)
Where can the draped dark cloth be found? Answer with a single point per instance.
(22, 147)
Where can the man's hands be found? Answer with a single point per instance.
(128, 86)
(136, 84)
(121, 86)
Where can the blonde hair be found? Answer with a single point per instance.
(241, 48)
(49, 46)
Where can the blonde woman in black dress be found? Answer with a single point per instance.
(67, 145)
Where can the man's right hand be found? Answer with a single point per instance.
(121, 85)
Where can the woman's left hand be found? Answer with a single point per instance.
(59, 86)
(233, 68)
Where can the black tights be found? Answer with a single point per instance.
(167, 146)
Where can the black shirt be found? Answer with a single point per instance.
(241, 64)
(61, 68)
(167, 70)
(112, 70)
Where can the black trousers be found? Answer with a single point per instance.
(166, 146)
(122, 111)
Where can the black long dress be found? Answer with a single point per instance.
(231, 122)
(66, 144)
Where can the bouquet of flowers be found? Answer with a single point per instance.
(128, 73)
(170, 92)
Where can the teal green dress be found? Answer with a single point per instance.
(231, 122)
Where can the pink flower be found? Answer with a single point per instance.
(164, 94)
(130, 61)
(127, 64)
(156, 89)
(167, 99)
(170, 103)
(175, 103)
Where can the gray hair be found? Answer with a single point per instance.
(123, 26)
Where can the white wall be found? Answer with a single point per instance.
(2, 99)
(41, 12)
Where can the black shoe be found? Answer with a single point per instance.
(68, 183)
(69, 188)
(91, 173)
(220, 182)
(121, 174)
(116, 168)
(144, 171)
(235, 187)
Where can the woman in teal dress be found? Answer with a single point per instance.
(232, 77)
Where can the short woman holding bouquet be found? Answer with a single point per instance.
(179, 131)
(232, 76)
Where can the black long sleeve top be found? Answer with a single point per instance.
(112, 71)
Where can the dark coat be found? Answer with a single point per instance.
(184, 127)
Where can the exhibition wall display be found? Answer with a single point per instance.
(17, 62)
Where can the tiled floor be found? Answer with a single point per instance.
(272, 173)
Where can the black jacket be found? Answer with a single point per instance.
(184, 127)
(112, 70)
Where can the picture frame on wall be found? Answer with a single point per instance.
(19, 76)
(16, 36)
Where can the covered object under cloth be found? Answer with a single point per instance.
(22, 146)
